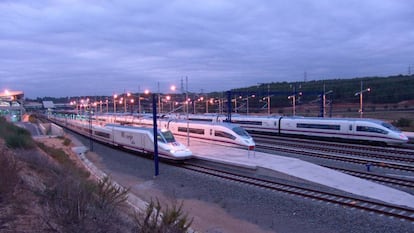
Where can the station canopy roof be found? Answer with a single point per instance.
(11, 95)
(48, 104)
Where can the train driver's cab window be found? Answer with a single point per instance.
(240, 131)
(168, 136)
(370, 129)
(223, 134)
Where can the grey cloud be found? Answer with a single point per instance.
(100, 47)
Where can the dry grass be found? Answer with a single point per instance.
(49, 192)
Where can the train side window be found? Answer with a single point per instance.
(211, 131)
(318, 126)
(191, 130)
(350, 127)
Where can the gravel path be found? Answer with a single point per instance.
(218, 205)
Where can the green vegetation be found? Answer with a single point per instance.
(403, 123)
(66, 142)
(15, 137)
(154, 220)
(8, 175)
(33, 119)
(67, 198)
(385, 90)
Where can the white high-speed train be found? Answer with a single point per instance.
(219, 133)
(140, 139)
(355, 129)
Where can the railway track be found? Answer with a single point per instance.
(342, 158)
(378, 178)
(381, 153)
(381, 208)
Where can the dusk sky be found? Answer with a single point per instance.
(96, 47)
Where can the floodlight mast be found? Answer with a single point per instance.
(360, 93)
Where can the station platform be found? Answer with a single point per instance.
(298, 168)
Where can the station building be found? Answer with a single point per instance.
(11, 105)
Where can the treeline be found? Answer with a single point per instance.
(385, 90)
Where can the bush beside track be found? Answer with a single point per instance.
(45, 190)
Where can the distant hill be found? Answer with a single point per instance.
(384, 90)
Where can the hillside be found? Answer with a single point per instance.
(43, 188)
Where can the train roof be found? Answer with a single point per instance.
(129, 127)
(336, 119)
(192, 122)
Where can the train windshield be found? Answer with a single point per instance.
(166, 136)
(240, 131)
(391, 127)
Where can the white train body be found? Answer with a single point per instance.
(220, 132)
(341, 128)
(140, 139)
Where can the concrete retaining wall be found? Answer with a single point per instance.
(51, 129)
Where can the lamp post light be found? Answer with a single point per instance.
(168, 100)
(73, 103)
(293, 97)
(211, 101)
(115, 96)
(247, 103)
(82, 105)
(125, 102)
(132, 101)
(324, 101)
(268, 99)
(360, 93)
(100, 105)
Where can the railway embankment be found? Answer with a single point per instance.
(44, 188)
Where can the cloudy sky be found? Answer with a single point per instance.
(98, 47)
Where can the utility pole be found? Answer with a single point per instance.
(188, 121)
(360, 93)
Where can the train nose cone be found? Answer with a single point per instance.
(403, 137)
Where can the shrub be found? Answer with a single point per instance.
(8, 174)
(110, 195)
(66, 142)
(403, 122)
(154, 220)
(14, 136)
(32, 119)
(80, 205)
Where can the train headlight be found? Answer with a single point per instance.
(402, 136)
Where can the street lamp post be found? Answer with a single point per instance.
(115, 96)
(360, 93)
(139, 99)
(247, 103)
(324, 100)
(268, 99)
(155, 132)
(293, 97)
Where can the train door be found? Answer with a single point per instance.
(351, 128)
